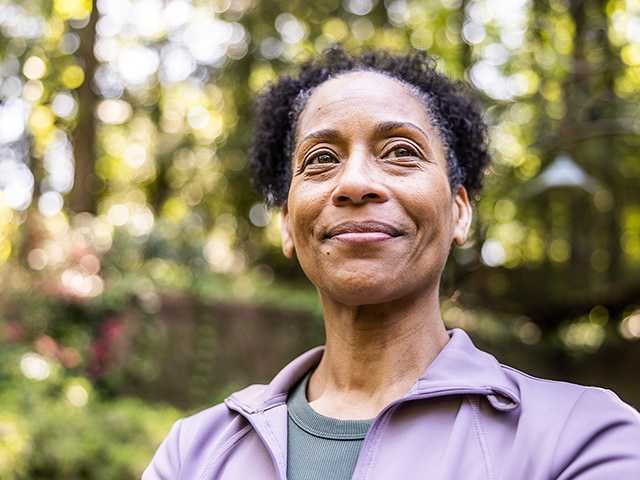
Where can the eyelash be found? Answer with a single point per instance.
(412, 153)
(316, 155)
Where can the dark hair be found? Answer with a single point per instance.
(456, 116)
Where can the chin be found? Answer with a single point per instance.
(361, 289)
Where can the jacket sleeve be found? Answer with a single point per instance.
(165, 464)
(600, 439)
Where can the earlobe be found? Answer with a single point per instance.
(285, 233)
(462, 214)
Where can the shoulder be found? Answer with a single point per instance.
(193, 438)
(589, 429)
(218, 418)
(202, 424)
(536, 391)
(539, 395)
(601, 433)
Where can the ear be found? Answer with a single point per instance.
(288, 247)
(461, 215)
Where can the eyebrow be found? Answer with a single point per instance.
(383, 128)
(386, 127)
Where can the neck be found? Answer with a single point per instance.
(374, 353)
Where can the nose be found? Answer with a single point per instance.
(358, 182)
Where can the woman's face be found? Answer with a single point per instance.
(370, 214)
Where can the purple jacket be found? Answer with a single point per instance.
(466, 418)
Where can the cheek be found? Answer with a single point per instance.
(305, 206)
(430, 208)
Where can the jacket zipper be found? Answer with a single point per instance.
(361, 471)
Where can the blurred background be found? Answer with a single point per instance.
(141, 278)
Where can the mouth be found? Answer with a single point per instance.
(359, 232)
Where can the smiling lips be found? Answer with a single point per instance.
(362, 232)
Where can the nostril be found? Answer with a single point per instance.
(371, 196)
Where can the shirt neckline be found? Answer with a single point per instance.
(317, 424)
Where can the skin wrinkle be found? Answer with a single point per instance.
(455, 115)
(380, 301)
(303, 96)
(382, 129)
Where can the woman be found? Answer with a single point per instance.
(375, 159)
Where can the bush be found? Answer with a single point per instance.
(53, 425)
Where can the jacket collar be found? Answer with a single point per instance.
(460, 365)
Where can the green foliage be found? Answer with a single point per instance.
(157, 144)
(55, 425)
(103, 278)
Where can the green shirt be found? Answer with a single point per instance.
(320, 447)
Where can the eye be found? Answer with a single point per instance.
(402, 151)
(320, 158)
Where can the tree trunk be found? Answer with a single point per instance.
(82, 197)
(576, 92)
(607, 169)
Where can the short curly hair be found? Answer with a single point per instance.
(455, 114)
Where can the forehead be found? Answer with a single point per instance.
(361, 99)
